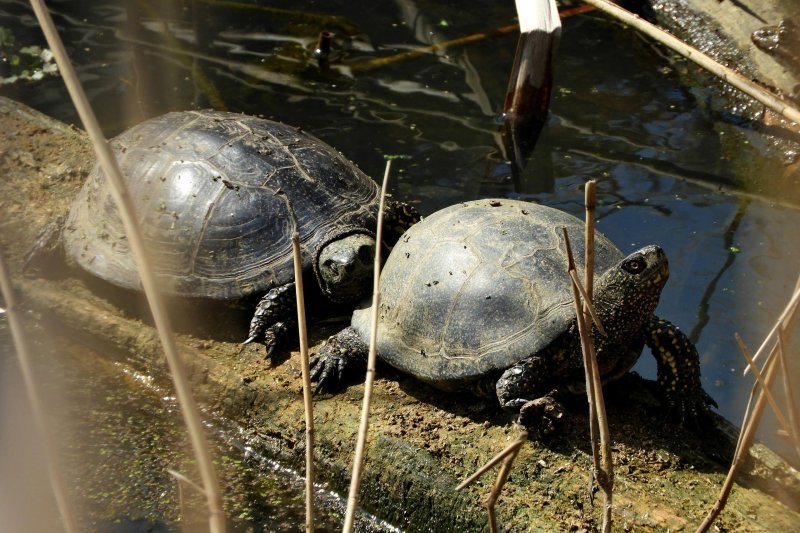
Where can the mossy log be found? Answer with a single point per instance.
(422, 442)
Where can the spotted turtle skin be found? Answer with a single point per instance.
(477, 296)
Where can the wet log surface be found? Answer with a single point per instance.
(422, 442)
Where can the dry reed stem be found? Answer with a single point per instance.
(500, 481)
(590, 203)
(180, 480)
(34, 398)
(308, 405)
(726, 74)
(751, 420)
(594, 394)
(788, 387)
(358, 460)
(785, 321)
(507, 456)
(749, 427)
(512, 448)
(770, 398)
(122, 198)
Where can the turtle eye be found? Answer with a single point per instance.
(635, 265)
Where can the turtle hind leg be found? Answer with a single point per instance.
(517, 390)
(343, 355)
(274, 317)
(679, 373)
(397, 218)
(47, 251)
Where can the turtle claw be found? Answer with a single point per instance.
(270, 337)
(342, 355)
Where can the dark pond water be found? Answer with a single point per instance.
(620, 115)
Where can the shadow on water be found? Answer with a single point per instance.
(620, 114)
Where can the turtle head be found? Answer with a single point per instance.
(627, 294)
(344, 266)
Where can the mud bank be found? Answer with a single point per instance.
(422, 442)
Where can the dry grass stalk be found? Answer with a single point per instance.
(770, 398)
(308, 404)
(603, 462)
(507, 456)
(37, 410)
(180, 481)
(749, 427)
(358, 461)
(785, 321)
(751, 420)
(727, 75)
(590, 203)
(788, 388)
(111, 169)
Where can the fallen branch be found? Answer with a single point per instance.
(693, 54)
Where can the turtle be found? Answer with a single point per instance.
(218, 196)
(477, 297)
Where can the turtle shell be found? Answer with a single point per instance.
(218, 196)
(477, 287)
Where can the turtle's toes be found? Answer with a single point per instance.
(327, 370)
(692, 411)
(541, 417)
(270, 336)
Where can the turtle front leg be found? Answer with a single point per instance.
(343, 354)
(678, 372)
(274, 317)
(516, 391)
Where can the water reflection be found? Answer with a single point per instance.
(620, 115)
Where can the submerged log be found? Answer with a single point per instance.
(422, 442)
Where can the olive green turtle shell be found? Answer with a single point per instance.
(477, 287)
(218, 196)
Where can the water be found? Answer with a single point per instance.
(620, 114)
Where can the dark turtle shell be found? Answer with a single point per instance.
(477, 287)
(218, 196)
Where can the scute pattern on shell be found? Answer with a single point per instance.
(477, 287)
(218, 196)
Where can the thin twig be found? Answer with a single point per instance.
(308, 404)
(358, 461)
(507, 456)
(119, 191)
(37, 410)
(590, 203)
(745, 440)
(788, 388)
(444, 45)
(594, 394)
(726, 74)
(511, 448)
(770, 398)
(785, 321)
(500, 481)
